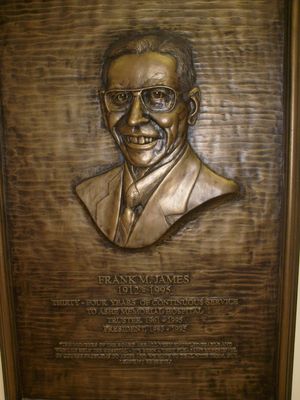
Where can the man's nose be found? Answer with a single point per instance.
(136, 114)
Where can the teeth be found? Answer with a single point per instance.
(139, 139)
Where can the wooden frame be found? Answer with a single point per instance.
(291, 237)
(291, 241)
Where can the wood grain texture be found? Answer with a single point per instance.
(54, 138)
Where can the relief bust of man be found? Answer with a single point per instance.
(149, 98)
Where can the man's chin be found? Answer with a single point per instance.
(141, 158)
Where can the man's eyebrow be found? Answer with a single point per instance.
(145, 84)
(153, 82)
(157, 78)
(119, 85)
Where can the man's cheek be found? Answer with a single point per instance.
(168, 120)
(113, 119)
(170, 124)
(165, 120)
(172, 134)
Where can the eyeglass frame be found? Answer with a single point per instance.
(139, 91)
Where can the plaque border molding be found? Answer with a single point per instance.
(291, 232)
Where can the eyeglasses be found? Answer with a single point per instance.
(154, 99)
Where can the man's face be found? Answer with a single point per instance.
(145, 124)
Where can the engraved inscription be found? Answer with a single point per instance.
(145, 314)
(146, 352)
(146, 304)
(145, 284)
(144, 279)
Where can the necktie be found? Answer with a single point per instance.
(127, 218)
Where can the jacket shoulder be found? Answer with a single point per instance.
(216, 182)
(94, 189)
(210, 185)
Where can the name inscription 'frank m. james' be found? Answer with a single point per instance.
(149, 100)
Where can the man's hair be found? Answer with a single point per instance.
(161, 42)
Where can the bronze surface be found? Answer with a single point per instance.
(227, 257)
(148, 104)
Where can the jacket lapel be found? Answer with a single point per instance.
(108, 208)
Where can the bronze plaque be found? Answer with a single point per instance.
(149, 199)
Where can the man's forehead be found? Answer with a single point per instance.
(133, 71)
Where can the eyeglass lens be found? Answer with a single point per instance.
(155, 99)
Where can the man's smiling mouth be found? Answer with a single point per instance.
(140, 142)
(139, 139)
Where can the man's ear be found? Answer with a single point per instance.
(194, 100)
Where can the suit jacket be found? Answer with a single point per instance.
(189, 184)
